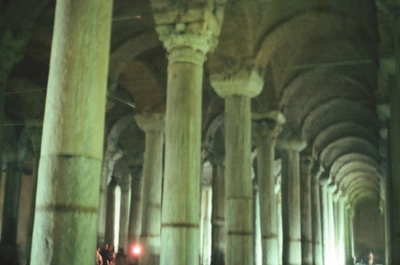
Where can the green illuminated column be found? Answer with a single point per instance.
(305, 206)
(218, 248)
(135, 212)
(266, 130)
(181, 204)
(237, 89)
(290, 188)
(72, 144)
(125, 184)
(153, 126)
(325, 221)
(331, 189)
(316, 217)
(110, 213)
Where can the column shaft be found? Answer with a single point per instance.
(180, 216)
(110, 213)
(218, 216)
(135, 212)
(291, 219)
(125, 185)
(152, 186)
(316, 222)
(72, 148)
(325, 225)
(268, 204)
(305, 203)
(239, 184)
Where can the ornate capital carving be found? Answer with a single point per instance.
(241, 78)
(188, 30)
(266, 132)
(291, 143)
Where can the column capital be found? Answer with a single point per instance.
(291, 143)
(267, 127)
(188, 32)
(240, 79)
(151, 123)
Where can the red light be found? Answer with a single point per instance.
(136, 250)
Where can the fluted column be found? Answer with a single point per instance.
(153, 126)
(305, 207)
(266, 132)
(237, 89)
(290, 186)
(125, 185)
(73, 132)
(187, 42)
(135, 211)
(218, 211)
(316, 218)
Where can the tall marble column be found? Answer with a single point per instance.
(206, 201)
(153, 126)
(73, 132)
(135, 211)
(305, 207)
(237, 89)
(125, 185)
(290, 187)
(266, 132)
(187, 44)
(280, 229)
(316, 217)
(331, 189)
(218, 211)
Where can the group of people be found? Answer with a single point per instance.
(107, 256)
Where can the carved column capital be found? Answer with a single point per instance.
(241, 78)
(188, 32)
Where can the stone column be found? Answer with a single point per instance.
(305, 207)
(35, 138)
(331, 189)
(218, 212)
(237, 89)
(341, 231)
(110, 214)
(153, 126)
(125, 184)
(256, 220)
(280, 229)
(206, 224)
(290, 188)
(325, 222)
(316, 217)
(394, 176)
(73, 132)
(266, 132)
(135, 212)
(9, 227)
(187, 48)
